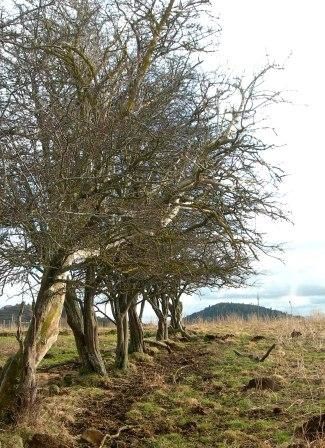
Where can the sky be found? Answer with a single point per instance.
(290, 33)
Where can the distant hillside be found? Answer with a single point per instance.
(9, 313)
(222, 310)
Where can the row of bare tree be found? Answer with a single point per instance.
(129, 174)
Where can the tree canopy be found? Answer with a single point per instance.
(126, 169)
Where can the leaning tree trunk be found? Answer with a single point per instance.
(18, 378)
(89, 355)
(136, 343)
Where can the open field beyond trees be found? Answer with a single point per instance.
(199, 395)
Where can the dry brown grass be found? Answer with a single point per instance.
(312, 326)
(203, 388)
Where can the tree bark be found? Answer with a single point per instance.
(120, 312)
(91, 327)
(75, 322)
(122, 357)
(176, 315)
(136, 343)
(162, 330)
(176, 309)
(83, 322)
(9, 378)
(18, 378)
(159, 303)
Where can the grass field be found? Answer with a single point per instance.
(194, 397)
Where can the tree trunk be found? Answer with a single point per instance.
(121, 304)
(176, 317)
(160, 306)
(122, 358)
(136, 343)
(162, 331)
(90, 326)
(83, 323)
(176, 309)
(75, 321)
(18, 378)
(9, 378)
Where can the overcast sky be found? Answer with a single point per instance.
(292, 33)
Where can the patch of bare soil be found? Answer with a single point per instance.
(274, 383)
(107, 413)
(314, 428)
(45, 441)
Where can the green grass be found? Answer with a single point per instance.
(200, 402)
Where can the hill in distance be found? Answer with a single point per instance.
(225, 309)
(9, 313)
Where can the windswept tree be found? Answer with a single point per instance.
(117, 150)
(71, 95)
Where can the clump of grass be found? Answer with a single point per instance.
(141, 358)
(11, 440)
(195, 398)
(239, 439)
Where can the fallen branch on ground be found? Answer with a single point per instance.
(256, 357)
(114, 436)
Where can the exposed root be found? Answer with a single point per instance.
(158, 344)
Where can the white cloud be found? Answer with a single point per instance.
(252, 30)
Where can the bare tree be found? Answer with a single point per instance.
(117, 150)
(70, 95)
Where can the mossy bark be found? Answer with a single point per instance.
(136, 343)
(176, 317)
(75, 321)
(162, 330)
(83, 323)
(121, 305)
(9, 381)
(18, 378)
(122, 358)
(176, 310)
(91, 327)
(161, 309)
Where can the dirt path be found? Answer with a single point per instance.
(108, 413)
